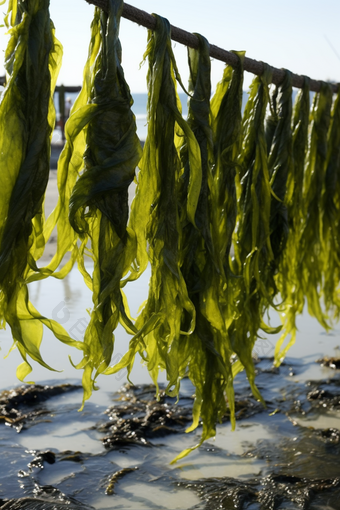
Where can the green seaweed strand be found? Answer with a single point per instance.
(281, 169)
(287, 277)
(330, 244)
(33, 59)
(310, 267)
(208, 348)
(280, 163)
(155, 217)
(226, 107)
(253, 252)
(70, 165)
(99, 200)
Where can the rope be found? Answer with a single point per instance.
(187, 39)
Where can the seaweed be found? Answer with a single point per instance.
(270, 492)
(236, 216)
(226, 105)
(46, 497)
(309, 271)
(280, 163)
(99, 201)
(206, 248)
(140, 418)
(201, 263)
(155, 219)
(255, 289)
(33, 59)
(287, 277)
(115, 477)
(16, 404)
(310, 266)
(95, 169)
(330, 248)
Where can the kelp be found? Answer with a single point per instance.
(305, 268)
(287, 277)
(310, 267)
(95, 169)
(226, 106)
(70, 165)
(32, 63)
(281, 171)
(253, 260)
(330, 247)
(155, 219)
(208, 348)
(99, 200)
(280, 165)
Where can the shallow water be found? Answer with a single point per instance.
(266, 442)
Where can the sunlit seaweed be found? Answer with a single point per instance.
(236, 216)
(33, 59)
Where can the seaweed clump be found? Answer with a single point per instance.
(269, 492)
(139, 417)
(16, 405)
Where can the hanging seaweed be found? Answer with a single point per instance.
(287, 277)
(99, 200)
(33, 59)
(155, 218)
(253, 262)
(70, 165)
(226, 106)
(232, 214)
(280, 164)
(330, 248)
(207, 350)
(281, 170)
(310, 267)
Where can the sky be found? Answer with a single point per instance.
(299, 35)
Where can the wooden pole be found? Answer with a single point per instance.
(177, 34)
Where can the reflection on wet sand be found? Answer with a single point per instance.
(275, 459)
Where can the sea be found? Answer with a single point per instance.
(139, 108)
